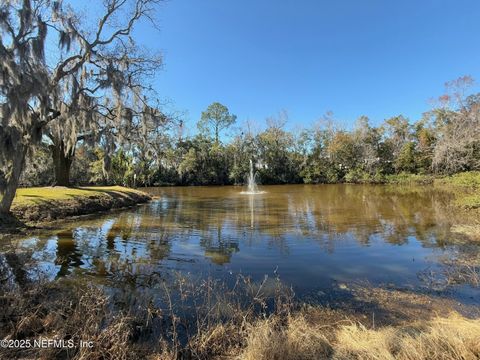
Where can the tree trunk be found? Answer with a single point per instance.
(9, 186)
(62, 163)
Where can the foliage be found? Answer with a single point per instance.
(85, 158)
(276, 160)
(121, 170)
(405, 160)
(215, 119)
(96, 167)
(205, 162)
(457, 125)
(362, 177)
(38, 168)
(394, 152)
(469, 201)
(55, 95)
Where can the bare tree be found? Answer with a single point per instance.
(32, 89)
(457, 123)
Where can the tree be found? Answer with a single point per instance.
(457, 127)
(216, 118)
(424, 136)
(343, 152)
(122, 109)
(276, 160)
(241, 150)
(320, 167)
(405, 161)
(204, 162)
(32, 89)
(24, 85)
(38, 169)
(397, 132)
(367, 139)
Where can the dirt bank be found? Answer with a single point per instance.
(36, 206)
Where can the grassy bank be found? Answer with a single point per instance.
(409, 179)
(51, 203)
(466, 181)
(466, 187)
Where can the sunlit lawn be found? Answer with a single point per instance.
(33, 195)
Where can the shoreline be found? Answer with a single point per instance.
(37, 208)
(41, 208)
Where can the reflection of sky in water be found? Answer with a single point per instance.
(312, 235)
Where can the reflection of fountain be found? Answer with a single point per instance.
(251, 212)
(252, 186)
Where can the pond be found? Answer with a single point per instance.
(313, 237)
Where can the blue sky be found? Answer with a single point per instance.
(372, 57)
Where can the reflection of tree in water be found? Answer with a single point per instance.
(68, 255)
(122, 246)
(135, 244)
(327, 213)
(130, 245)
(221, 253)
(121, 228)
(218, 248)
(13, 271)
(364, 211)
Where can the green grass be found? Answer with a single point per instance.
(466, 186)
(470, 179)
(409, 179)
(469, 201)
(35, 195)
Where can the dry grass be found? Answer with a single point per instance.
(222, 323)
(297, 339)
(472, 231)
(47, 311)
(452, 337)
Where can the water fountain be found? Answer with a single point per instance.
(252, 188)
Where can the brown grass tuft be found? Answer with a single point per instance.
(297, 340)
(452, 337)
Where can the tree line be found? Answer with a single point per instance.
(77, 107)
(445, 140)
